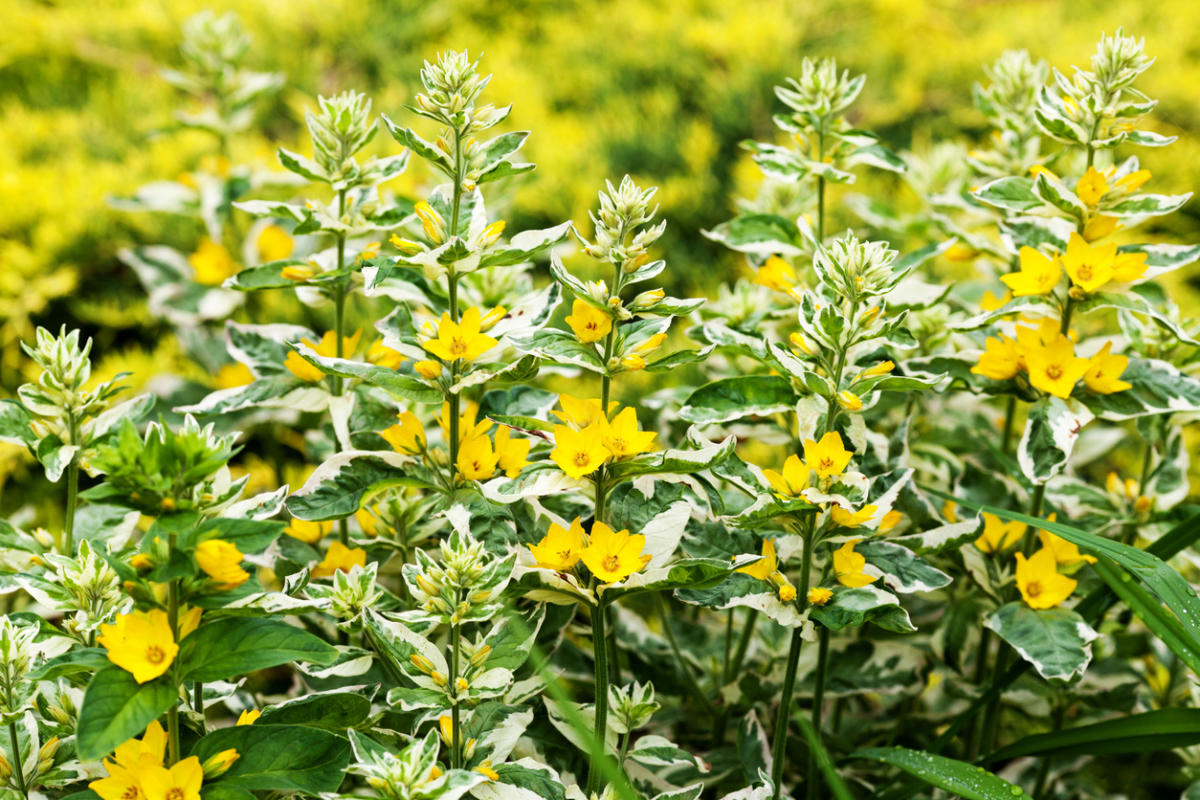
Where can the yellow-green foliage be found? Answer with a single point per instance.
(664, 91)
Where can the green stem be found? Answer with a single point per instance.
(456, 760)
(728, 645)
(454, 399)
(72, 489)
(1060, 710)
(173, 622)
(739, 657)
(685, 669)
(820, 209)
(814, 780)
(981, 660)
(339, 294)
(18, 771)
(600, 730)
(1068, 310)
(1035, 510)
(198, 700)
(1010, 414)
(789, 679)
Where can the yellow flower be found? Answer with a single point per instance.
(382, 355)
(851, 519)
(787, 592)
(428, 369)
(141, 561)
(299, 272)
(308, 531)
(589, 323)
(462, 339)
(326, 347)
(766, 565)
(621, 436)
(1092, 187)
(999, 535)
(367, 521)
(180, 782)
(1039, 581)
(151, 746)
(1089, 266)
(1128, 267)
(468, 428)
(121, 784)
(828, 457)
(1000, 359)
(476, 459)
(1104, 372)
(189, 620)
(249, 716)
(950, 511)
(212, 263)
(890, 520)
(579, 453)
(849, 400)
(1039, 274)
(1099, 226)
(1054, 368)
(431, 221)
(231, 375)
(959, 251)
(579, 413)
(776, 274)
(339, 558)
(218, 764)
(848, 566)
(274, 244)
(991, 302)
(1066, 554)
(613, 556)
(819, 596)
(560, 548)
(513, 453)
(141, 643)
(221, 561)
(794, 478)
(408, 436)
(1133, 181)
(882, 368)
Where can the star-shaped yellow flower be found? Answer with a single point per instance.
(580, 413)
(1104, 372)
(793, 479)
(1039, 274)
(476, 459)
(179, 782)
(221, 561)
(1054, 368)
(766, 565)
(462, 339)
(579, 453)
(776, 274)
(849, 518)
(339, 558)
(589, 323)
(999, 535)
(614, 555)
(407, 436)
(1039, 581)
(560, 548)
(621, 436)
(1091, 187)
(999, 360)
(1089, 266)
(326, 347)
(848, 566)
(141, 643)
(513, 454)
(1066, 554)
(827, 458)
(212, 263)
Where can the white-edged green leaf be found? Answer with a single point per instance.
(1051, 431)
(1056, 641)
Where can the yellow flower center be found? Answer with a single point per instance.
(1033, 588)
(458, 345)
(582, 459)
(155, 654)
(611, 563)
(175, 793)
(618, 445)
(826, 463)
(131, 793)
(1085, 272)
(1054, 372)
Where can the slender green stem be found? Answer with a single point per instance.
(820, 209)
(685, 669)
(18, 770)
(339, 294)
(739, 657)
(456, 760)
(1010, 415)
(1068, 310)
(72, 488)
(789, 679)
(728, 645)
(981, 661)
(198, 700)
(624, 751)
(600, 657)
(1035, 510)
(814, 779)
(1060, 710)
(173, 622)
(455, 401)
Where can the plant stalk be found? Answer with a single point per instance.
(600, 658)
(17, 768)
(814, 779)
(456, 759)
(789, 679)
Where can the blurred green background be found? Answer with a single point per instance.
(664, 91)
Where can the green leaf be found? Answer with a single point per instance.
(854, 607)
(728, 399)
(1148, 205)
(73, 662)
(116, 708)
(338, 487)
(395, 383)
(1054, 193)
(1051, 430)
(1156, 387)
(1056, 641)
(221, 650)
(1134, 301)
(759, 234)
(1161, 622)
(902, 570)
(1152, 731)
(335, 711)
(279, 758)
(1013, 194)
(956, 777)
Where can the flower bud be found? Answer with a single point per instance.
(428, 369)
(219, 763)
(819, 596)
(849, 400)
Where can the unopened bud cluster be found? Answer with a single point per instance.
(341, 128)
(631, 706)
(213, 44)
(854, 269)
(620, 236)
(91, 592)
(58, 401)
(820, 90)
(350, 592)
(1009, 100)
(399, 776)
(464, 583)
(452, 87)
(17, 652)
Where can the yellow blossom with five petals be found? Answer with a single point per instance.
(561, 548)
(828, 457)
(1054, 367)
(613, 556)
(1104, 372)
(621, 436)
(1039, 581)
(141, 643)
(794, 478)
(460, 340)
(999, 535)
(1039, 274)
(590, 324)
(579, 453)
(848, 566)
